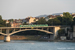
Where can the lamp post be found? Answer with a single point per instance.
(7, 22)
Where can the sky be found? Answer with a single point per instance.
(19, 9)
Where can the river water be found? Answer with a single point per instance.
(36, 45)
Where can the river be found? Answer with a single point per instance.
(36, 45)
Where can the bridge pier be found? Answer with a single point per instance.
(7, 38)
(55, 30)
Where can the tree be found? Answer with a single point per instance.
(2, 23)
(60, 19)
(41, 21)
(61, 32)
(67, 18)
(50, 22)
(0, 17)
(67, 14)
(54, 21)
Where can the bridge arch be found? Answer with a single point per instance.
(31, 29)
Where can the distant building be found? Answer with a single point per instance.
(30, 20)
(16, 23)
(24, 21)
(51, 17)
(7, 21)
(57, 16)
(27, 20)
(73, 15)
(46, 18)
(61, 15)
(36, 19)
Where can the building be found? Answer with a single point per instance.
(7, 21)
(73, 15)
(36, 19)
(46, 18)
(16, 23)
(51, 17)
(61, 15)
(31, 20)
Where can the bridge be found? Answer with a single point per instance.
(52, 30)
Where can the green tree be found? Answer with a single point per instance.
(54, 21)
(67, 18)
(61, 32)
(41, 21)
(0, 17)
(67, 14)
(50, 22)
(2, 23)
(60, 19)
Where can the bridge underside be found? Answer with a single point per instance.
(31, 30)
(27, 30)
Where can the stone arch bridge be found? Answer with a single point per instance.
(52, 30)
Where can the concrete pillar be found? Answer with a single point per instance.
(7, 38)
(42, 28)
(55, 30)
(47, 29)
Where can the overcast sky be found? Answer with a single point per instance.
(23, 8)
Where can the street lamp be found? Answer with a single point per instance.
(7, 22)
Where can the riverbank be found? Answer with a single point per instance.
(27, 37)
(34, 38)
